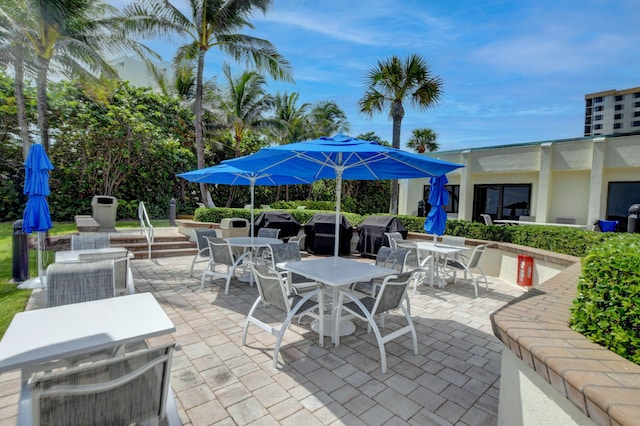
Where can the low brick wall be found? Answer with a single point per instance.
(602, 385)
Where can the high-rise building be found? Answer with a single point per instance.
(612, 111)
(135, 71)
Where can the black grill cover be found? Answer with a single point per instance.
(320, 232)
(283, 221)
(371, 232)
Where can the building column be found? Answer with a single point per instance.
(465, 203)
(597, 186)
(544, 183)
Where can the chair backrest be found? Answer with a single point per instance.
(201, 238)
(451, 240)
(80, 282)
(392, 292)
(122, 390)
(120, 266)
(272, 289)
(392, 258)
(286, 252)
(86, 241)
(391, 237)
(220, 250)
(487, 219)
(268, 232)
(476, 255)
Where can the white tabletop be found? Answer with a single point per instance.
(526, 222)
(433, 247)
(64, 331)
(336, 271)
(252, 241)
(73, 255)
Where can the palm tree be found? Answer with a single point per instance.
(212, 23)
(423, 140)
(245, 104)
(326, 119)
(293, 118)
(392, 82)
(72, 35)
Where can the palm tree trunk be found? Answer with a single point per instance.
(43, 119)
(18, 89)
(397, 113)
(199, 128)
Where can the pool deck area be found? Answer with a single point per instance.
(454, 380)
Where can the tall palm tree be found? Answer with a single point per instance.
(211, 23)
(327, 118)
(388, 85)
(72, 35)
(423, 140)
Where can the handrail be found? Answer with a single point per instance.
(146, 228)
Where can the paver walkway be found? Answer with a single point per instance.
(453, 381)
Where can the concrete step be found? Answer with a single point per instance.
(165, 245)
(164, 253)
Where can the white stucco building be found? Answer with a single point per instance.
(582, 179)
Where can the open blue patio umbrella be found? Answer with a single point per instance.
(36, 215)
(230, 175)
(342, 157)
(436, 220)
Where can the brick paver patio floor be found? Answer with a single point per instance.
(453, 381)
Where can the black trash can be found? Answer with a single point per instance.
(633, 223)
(421, 208)
(20, 253)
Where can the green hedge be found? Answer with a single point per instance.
(607, 309)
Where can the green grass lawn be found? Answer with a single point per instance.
(13, 300)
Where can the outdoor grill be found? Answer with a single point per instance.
(372, 230)
(320, 234)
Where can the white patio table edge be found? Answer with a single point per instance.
(336, 272)
(251, 243)
(437, 249)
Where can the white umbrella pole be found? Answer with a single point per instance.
(252, 183)
(336, 244)
(40, 257)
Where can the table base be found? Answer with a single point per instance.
(346, 327)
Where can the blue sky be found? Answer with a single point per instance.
(513, 70)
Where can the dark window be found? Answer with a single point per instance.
(596, 100)
(454, 198)
(617, 125)
(636, 95)
(619, 107)
(621, 196)
(588, 112)
(598, 117)
(597, 126)
(587, 130)
(599, 108)
(636, 114)
(637, 104)
(507, 201)
(618, 116)
(636, 123)
(587, 120)
(589, 102)
(619, 97)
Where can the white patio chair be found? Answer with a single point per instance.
(123, 276)
(472, 263)
(273, 291)
(487, 219)
(392, 292)
(87, 240)
(387, 258)
(80, 282)
(127, 389)
(392, 238)
(268, 232)
(203, 246)
(220, 256)
(290, 252)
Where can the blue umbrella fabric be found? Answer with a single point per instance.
(342, 157)
(230, 175)
(36, 215)
(436, 220)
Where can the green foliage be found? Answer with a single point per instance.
(607, 309)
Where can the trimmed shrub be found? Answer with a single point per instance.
(607, 309)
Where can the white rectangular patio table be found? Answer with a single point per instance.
(337, 272)
(442, 250)
(61, 332)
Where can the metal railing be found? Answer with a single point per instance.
(146, 228)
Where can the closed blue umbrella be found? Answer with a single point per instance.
(230, 175)
(436, 220)
(36, 215)
(342, 157)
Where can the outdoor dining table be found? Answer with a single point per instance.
(65, 256)
(438, 252)
(336, 272)
(251, 244)
(63, 332)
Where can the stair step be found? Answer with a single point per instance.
(165, 253)
(157, 245)
(165, 245)
(126, 239)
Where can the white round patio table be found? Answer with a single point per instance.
(251, 243)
